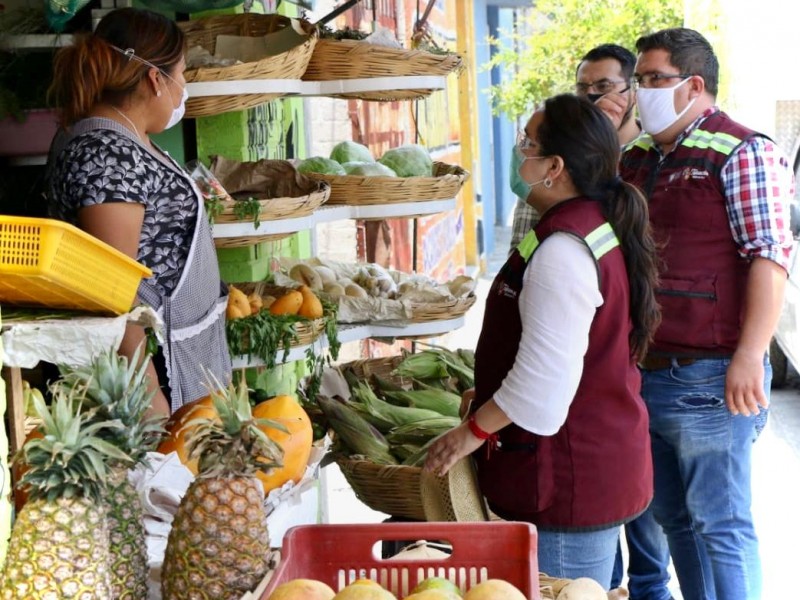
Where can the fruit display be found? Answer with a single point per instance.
(218, 544)
(295, 437)
(432, 588)
(369, 292)
(261, 324)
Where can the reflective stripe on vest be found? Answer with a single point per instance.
(724, 143)
(600, 241)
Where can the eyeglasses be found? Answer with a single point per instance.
(603, 86)
(651, 80)
(524, 142)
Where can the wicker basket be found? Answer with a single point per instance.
(307, 331)
(273, 209)
(356, 190)
(286, 65)
(413, 493)
(242, 241)
(351, 59)
(422, 312)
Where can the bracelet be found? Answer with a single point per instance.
(477, 431)
(493, 438)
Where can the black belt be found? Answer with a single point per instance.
(655, 363)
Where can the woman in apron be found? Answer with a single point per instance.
(114, 88)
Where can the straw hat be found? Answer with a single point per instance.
(454, 497)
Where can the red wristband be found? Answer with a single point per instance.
(477, 431)
(493, 438)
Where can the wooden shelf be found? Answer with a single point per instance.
(326, 214)
(352, 333)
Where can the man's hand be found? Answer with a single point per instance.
(744, 385)
(615, 105)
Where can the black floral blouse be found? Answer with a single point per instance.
(103, 166)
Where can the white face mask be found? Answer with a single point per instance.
(177, 113)
(657, 107)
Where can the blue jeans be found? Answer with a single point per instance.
(648, 560)
(702, 458)
(573, 555)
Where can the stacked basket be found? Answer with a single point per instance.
(290, 64)
(443, 184)
(351, 59)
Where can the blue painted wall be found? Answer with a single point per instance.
(502, 19)
(497, 133)
(486, 188)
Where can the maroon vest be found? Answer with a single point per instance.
(596, 471)
(702, 286)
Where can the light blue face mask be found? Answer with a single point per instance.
(518, 185)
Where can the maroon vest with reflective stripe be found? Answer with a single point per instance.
(703, 278)
(596, 471)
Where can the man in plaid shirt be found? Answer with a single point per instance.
(604, 75)
(718, 195)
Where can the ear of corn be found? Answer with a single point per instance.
(423, 365)
(389, 415)
(386, 385)
(439, 401)
(355, 432)
(422, 431)
(467, 357)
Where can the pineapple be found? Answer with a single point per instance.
(117, 389)
(59, 544)
(218, 545)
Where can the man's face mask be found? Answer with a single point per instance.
(657, 107)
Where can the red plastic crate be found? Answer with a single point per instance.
(339, 554)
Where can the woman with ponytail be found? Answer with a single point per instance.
(557, 426)
(113, 89)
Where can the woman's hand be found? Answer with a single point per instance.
(450, 448)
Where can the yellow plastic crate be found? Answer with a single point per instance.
(51, 263)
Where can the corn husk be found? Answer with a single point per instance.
(387, 416)
(421, 432)
(359, 437)
(440, 401)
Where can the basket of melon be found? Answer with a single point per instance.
(263, 318)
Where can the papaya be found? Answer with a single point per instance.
(178, 434)
(288, 304)
(296, 443)
(311, 308)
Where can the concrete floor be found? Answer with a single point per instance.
(776, 468)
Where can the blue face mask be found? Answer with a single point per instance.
(518, 185)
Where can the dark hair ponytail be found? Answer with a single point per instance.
(581, 134)
(625, 208)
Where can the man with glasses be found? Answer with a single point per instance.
(718, 196)
(604, 75)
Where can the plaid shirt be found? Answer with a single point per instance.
(525, 218)
(759, 184)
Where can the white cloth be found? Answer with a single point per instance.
(559, 298)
